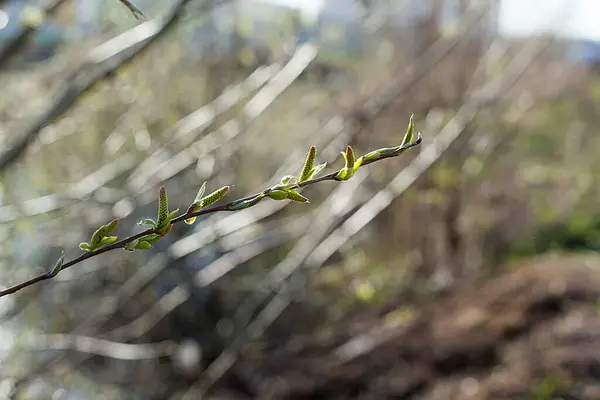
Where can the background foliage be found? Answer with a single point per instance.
(228, 92)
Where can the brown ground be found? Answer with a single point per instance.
(504, 337)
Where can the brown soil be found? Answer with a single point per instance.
(501, 337)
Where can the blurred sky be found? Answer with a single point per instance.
(571, 18)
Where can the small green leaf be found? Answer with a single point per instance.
(172, 214)
(348, 171)
(58, 265)
(349, 157)
(85, 246)
(97, 237)
(374, 155)
(344, 174)
(200, 193)
(111, 226)
(106, 240)
(288, 179)
(201, 202)
(151, 238)
(358, 163)
(316, 170)
(277, 194)
(100, 234)
(297, 197)
(143, 245)
(190, 221)
(148, 221)
(131, 245)
(309, 163)
(408, 137)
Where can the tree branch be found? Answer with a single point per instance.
(101, 63)
(287, 190)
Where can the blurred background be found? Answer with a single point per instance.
(464, 269)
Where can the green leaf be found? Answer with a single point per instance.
(358, 163)
(190, 221)
(349, 157)
(309, 163)
(297, 197)
(315, 171)
(288, 179)
(172, 214)
(97, 237)
(58, 265)
(106, 240)
(100, 234)
(151, 238)
(111, 226)
(344, 174)
(201, 202)
(277, 194)
(374, 155)
(348, 171)
(143, 245)
(131, 245)
(200, 193)
(408, 137)
(148, 221)
(85, 246)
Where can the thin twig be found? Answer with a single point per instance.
(106, 348)
(102, 66)
(231, 206)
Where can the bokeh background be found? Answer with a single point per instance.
(464, 269)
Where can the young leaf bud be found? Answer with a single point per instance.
(215, 196)
(408, 137)
(163, 208)
(277, 194)
(297, 197)
(58, 265)
(309, 163)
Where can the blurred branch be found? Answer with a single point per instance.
(181, 133)
(101, 347)
(206, 276)
(434, 54)
(333, 209)
(214, 228)
(129, 45)
(429, 155)
(325, 247)
(210, 230)
(167, 167)
(235, 205)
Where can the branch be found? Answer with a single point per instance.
(102, 63)
(101, 347)
(287, 189)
